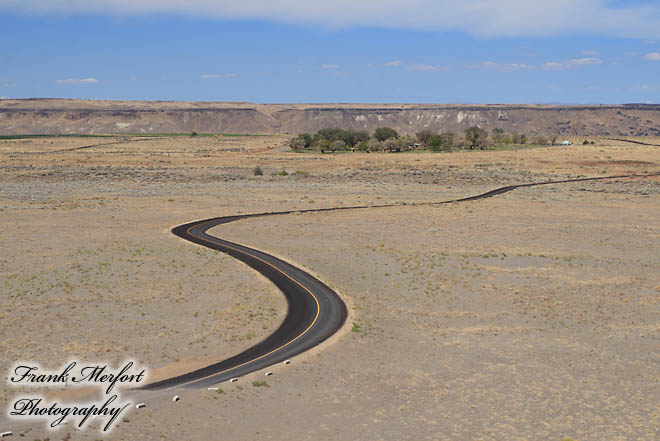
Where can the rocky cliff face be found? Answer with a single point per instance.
(70, 116)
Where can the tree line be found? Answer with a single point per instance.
(387, 139)
(339, 139)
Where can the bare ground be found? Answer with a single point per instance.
(534, 315)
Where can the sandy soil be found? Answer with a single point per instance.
(531, 316)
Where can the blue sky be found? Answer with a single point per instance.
(479, 51)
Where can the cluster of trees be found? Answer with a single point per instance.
(339, 139)
(386, 138)
(477, 138)
(329, 139)
(437, 141)
(500, 137)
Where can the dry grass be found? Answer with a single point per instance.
(530, 316)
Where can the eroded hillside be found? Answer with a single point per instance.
(50, 116)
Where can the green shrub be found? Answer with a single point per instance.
(476, 137)
(385, 133)
(362, 146)
(443, 141)
(257, 171)
(425, 135)
(300, 142)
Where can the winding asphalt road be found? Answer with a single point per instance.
(315, 312)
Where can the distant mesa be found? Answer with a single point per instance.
(53, 116)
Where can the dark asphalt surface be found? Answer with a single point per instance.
(315, 312)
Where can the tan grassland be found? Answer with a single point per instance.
(534, 315)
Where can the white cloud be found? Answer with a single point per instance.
(477, 17)
(653, 56)
(556, 65)
(502, 67)
(589, 52)
(78, 81)
(395, 63)
(3, 97)
(580, 61)
(212, 76)
(550, 65)
(330, 66)
(428, 68)
(9, 85)
(570, 64)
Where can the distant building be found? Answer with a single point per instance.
(566, 143)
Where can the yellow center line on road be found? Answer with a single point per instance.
(512, 187)
(318, 306)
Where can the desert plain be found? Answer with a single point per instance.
(533, 315)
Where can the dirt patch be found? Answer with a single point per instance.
(533, 315)
(620, 162)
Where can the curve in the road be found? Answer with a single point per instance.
(315, 312)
